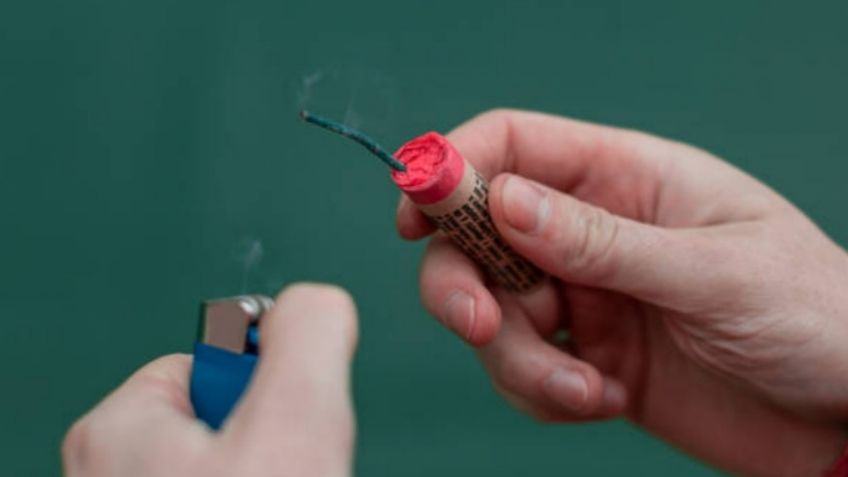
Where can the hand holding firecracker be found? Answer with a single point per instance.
(676, 278)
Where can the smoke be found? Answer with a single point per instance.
(250, 252)
(360, 97)
(351, 118)
(307, 85)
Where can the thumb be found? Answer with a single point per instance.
(581, 243)
(299, 399)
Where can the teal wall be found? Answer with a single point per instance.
(145, 146)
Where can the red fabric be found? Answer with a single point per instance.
(840, 468)
(433, 168)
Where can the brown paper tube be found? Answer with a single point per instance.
(455, 198)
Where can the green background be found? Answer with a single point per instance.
(147, 146)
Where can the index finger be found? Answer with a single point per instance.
(557, 151)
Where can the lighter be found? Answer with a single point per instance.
(225, 354)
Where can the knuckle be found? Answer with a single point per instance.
(171, 366)
(588, 250)
(496, 114)
(507, 377)
(165, 387)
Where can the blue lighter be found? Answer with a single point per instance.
(225, 354)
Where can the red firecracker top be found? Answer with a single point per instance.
(433, 168)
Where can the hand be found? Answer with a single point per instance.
(698, 302)
(295, 418)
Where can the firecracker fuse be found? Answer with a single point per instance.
(448, 190)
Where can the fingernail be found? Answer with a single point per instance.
(459, 314)
(525, 205)
(568, 388)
